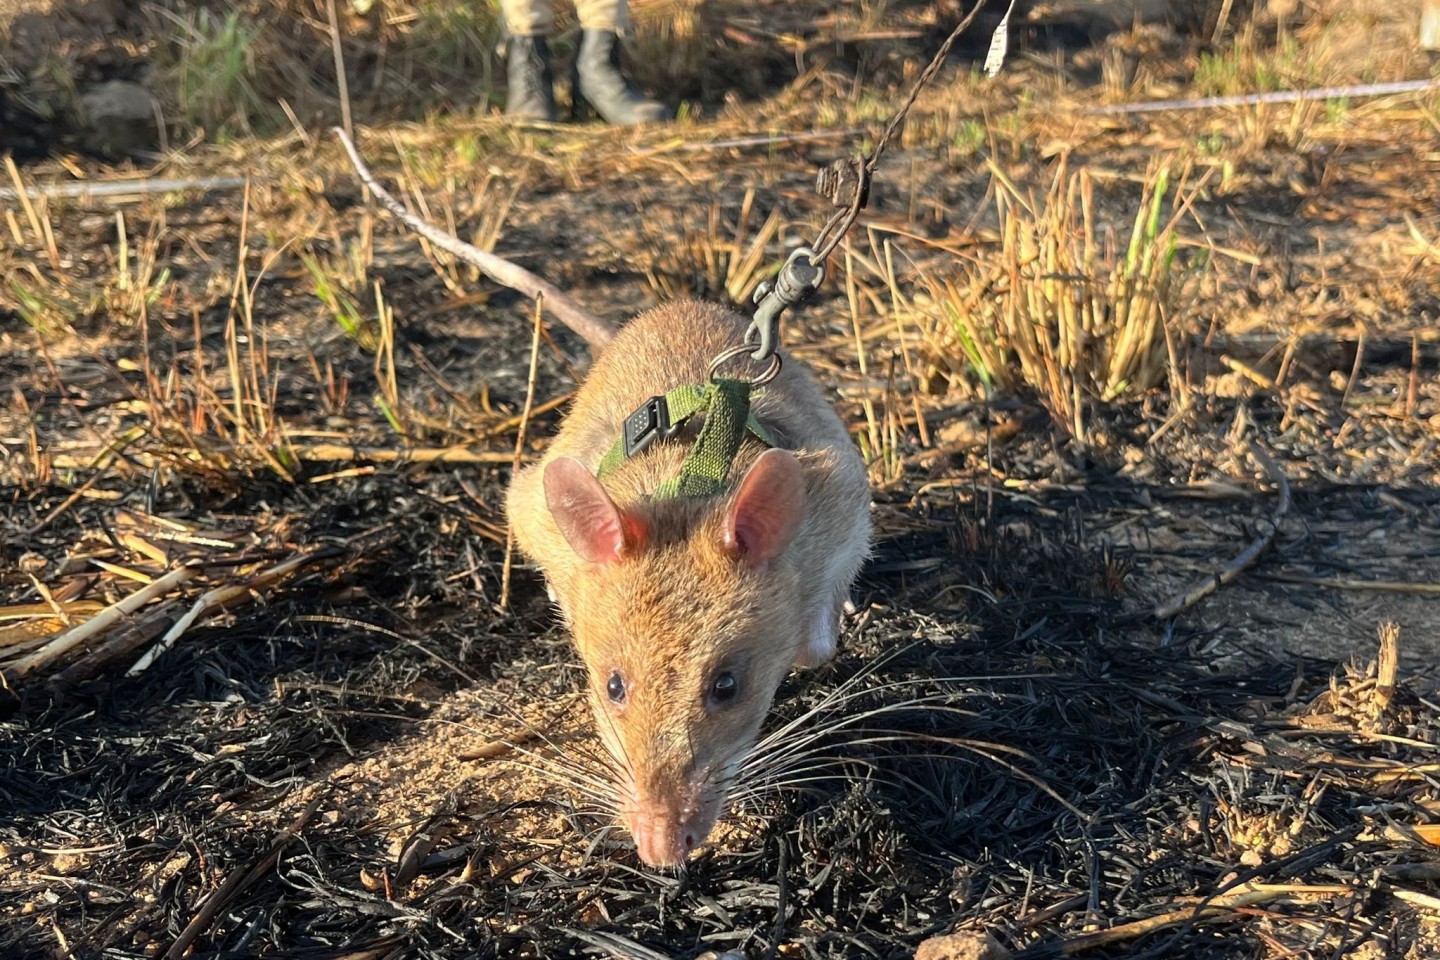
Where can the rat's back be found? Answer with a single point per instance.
(675, 344)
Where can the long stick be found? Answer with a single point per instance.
(520, 448)
(339, 55)
(1344, 583)
(84, 189)
(595, 331)
(1249, 895)
(1276, 96)
(329, 453)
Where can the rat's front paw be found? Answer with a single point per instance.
(824, 638)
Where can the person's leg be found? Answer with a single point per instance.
(529, 92)
(598, 80)
(527, 18)
(612, 15)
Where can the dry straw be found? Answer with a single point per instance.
(1067, 306)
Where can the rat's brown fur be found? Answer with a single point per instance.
(679, 604)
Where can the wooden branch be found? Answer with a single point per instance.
(116, 645)
(596, 332)
(335, 452)
(1418, 899)
(109, 617)
(219, 597)
(1248, 556)
(1249, 895)
(84, 189)
(1344, 583)
(313, 453)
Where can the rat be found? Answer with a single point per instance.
(687, 611)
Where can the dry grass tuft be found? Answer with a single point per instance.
(711, 259)
(1068, 305)
(260, 67)
(50, 301)
(138, 280)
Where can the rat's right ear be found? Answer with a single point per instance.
(767, 509)
(596, 529)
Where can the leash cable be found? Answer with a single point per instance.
(846, 184)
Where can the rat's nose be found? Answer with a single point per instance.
(662, 837)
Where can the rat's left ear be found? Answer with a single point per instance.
(768, 508)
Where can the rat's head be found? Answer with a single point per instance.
(687, 623)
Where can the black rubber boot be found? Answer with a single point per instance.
(599, 83)
(530, 93)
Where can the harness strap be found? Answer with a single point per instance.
(725, 401)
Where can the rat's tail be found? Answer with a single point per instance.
(596, 332)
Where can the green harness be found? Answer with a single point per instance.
(725, 401)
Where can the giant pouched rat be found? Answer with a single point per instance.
(687, 611)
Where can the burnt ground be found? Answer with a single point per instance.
(321, 765)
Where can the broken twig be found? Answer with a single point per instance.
(218, 597)
(101, 622)
(1345, 583)
(1247, 556)
(237, 882)
(1249, 895)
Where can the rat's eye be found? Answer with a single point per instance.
(616, 688)
(724, 687)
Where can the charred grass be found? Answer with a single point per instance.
(266, 691)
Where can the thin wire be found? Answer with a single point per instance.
(865, 166)
(1274, 96)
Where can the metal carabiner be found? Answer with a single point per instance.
(798, 279)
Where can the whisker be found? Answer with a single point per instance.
(837, 694)
(936, 701)
(568, 764)
(781, 780)
(596, 769)
(865, 736)
(756, 760)
(587, 792)
(626, 767)
(555, 768)
(799, 753)
(796, 784)
(985, 749)
(843, 694)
